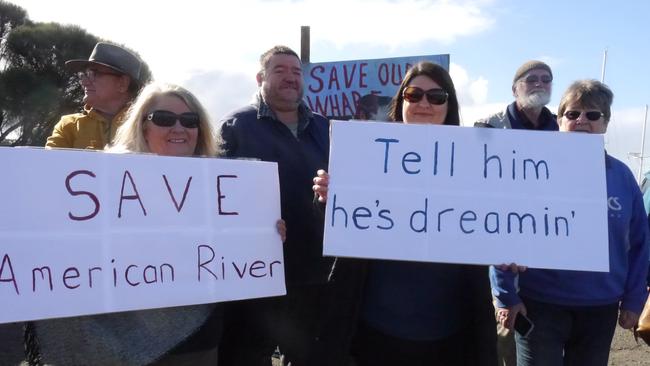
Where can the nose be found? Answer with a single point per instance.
(177, 125)
(582, 119)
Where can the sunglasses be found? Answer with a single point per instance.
(168, 119)
(534, 79)
(591, 115)
(413, 94)
(91, 74)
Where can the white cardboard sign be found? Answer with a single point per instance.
(467, 195)
(89, 232)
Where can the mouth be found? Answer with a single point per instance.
(177, 141)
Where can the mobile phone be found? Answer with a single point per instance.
(523, 325)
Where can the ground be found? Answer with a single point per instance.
(626, 352)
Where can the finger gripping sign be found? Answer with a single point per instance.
(467, 195)
(87, 232)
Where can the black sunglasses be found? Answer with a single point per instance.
(168, 119)
(413, 94)
(533, 79)
(591, 115)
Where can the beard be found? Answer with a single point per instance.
(276, 100)
(536, 99)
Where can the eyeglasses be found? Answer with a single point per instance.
(413, 94)
(591, 115)
(168, 119)
(91, 74)
(534, 79)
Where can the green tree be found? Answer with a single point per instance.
(35, 88)
(11, 16)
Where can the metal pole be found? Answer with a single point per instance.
(641, 154)
(602, 72)
(304, 44)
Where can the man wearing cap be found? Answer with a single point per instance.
(531, 88)
(110, 79)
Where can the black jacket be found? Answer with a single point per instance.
(265, 138)
(313, 324)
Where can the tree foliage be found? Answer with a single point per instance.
(11, 16)
(35, 88)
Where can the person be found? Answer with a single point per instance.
(574, 312)
(372, 107)
(302, 326)
(531, 87)
(423, 313)
(165, 120)
(111, 80)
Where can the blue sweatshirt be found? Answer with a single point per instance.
(628, 258)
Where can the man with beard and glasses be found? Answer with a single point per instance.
(531, 88)
(303, 325)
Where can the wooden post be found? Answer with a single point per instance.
(304, 44)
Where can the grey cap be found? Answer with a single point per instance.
(111, 56)
(530, 65)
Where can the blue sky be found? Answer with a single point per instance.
(213, 47)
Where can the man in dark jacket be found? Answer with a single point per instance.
(280, 127)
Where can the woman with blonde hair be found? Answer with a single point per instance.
(146, 115)
(165, 120)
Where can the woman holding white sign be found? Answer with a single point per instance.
(574, 312)
(164, 120)
(416, 313)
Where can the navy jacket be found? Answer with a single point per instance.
(247, 133)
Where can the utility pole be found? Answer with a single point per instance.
(641, 155)
(602, 72)
(304, 44)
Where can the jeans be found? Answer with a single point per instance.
(567, 335)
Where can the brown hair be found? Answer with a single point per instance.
(588, 94)
(436, 73)
(265, 58)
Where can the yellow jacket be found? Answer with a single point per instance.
(86, 130)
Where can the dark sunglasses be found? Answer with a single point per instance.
(534, 79)
(168, 119)
(413, 94)
(591, 115)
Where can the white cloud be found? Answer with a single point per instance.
(221, 92)
(472, 95)
(180, 40)
(623, 138)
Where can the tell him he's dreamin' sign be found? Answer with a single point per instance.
(467, 195)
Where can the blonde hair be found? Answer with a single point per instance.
(130, 136)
